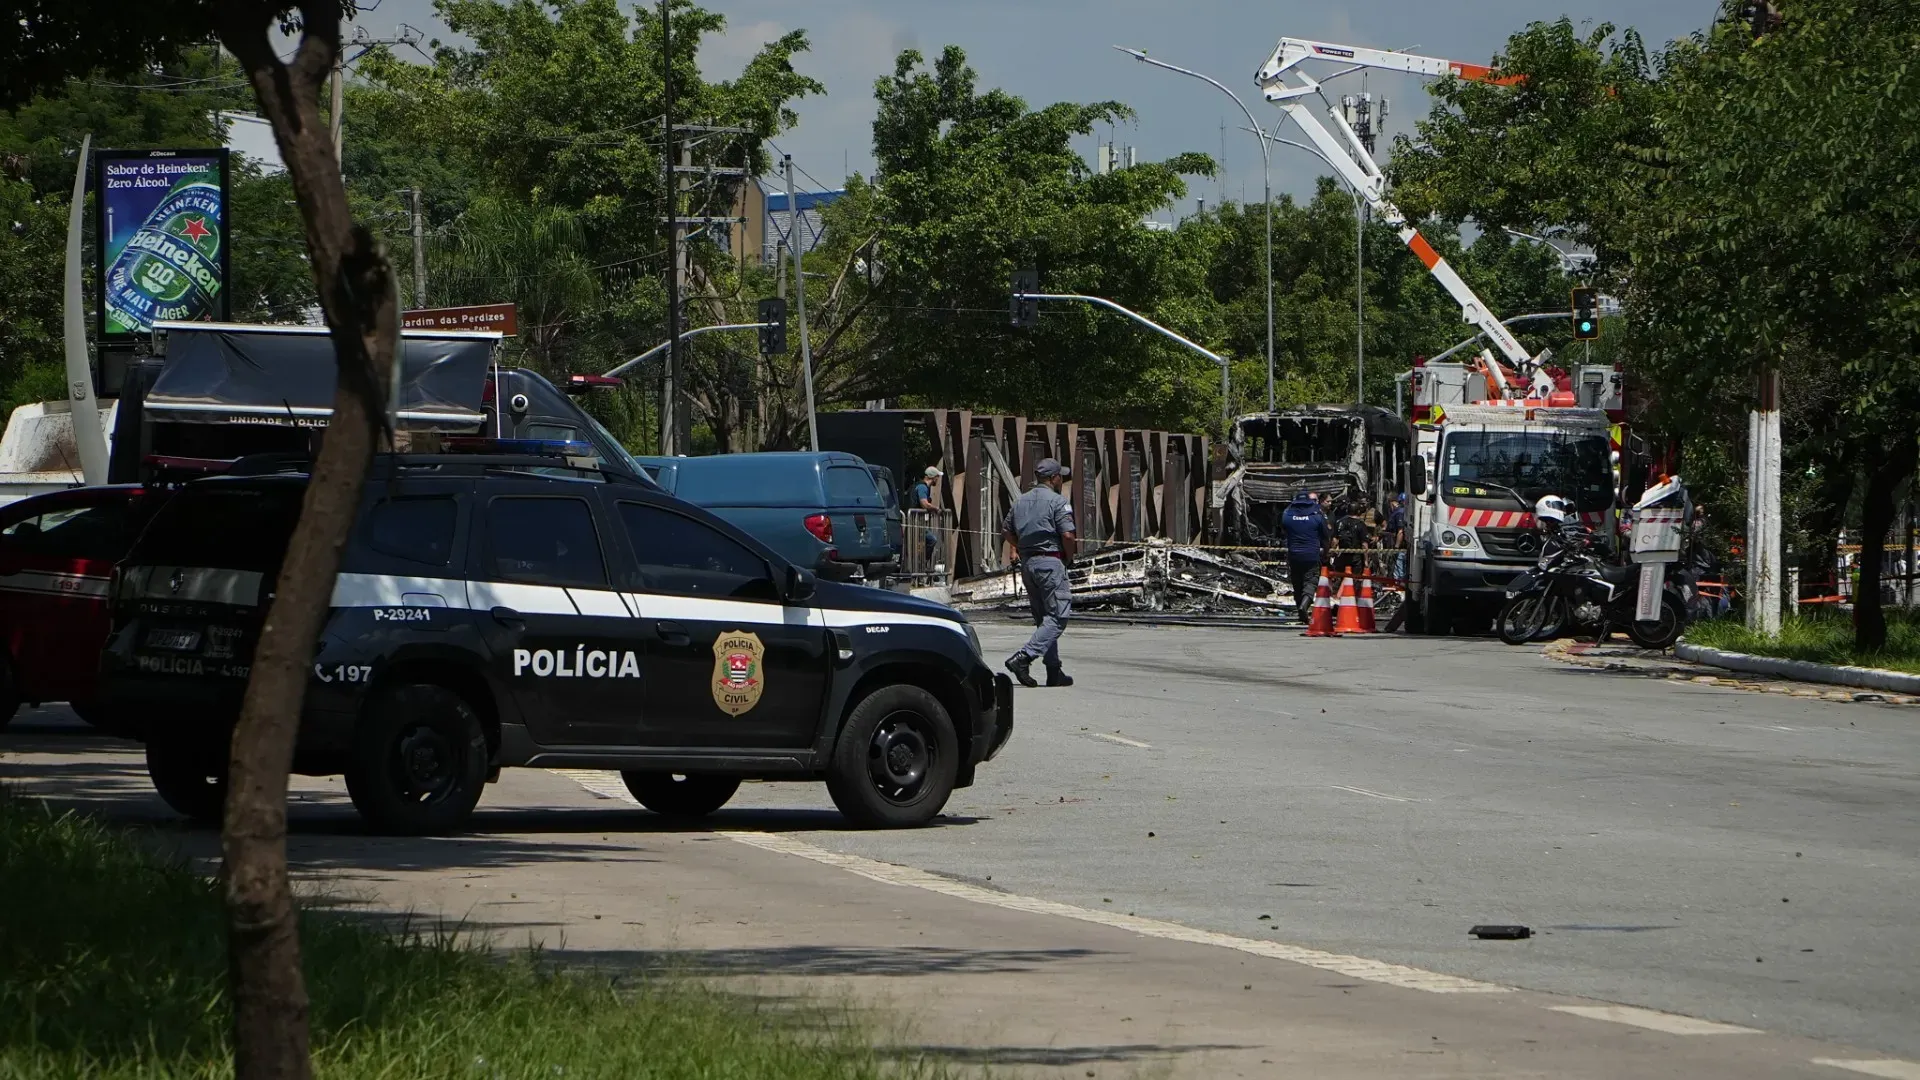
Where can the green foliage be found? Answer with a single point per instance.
(975, 185)
(113, 965)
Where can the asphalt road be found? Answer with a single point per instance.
(1746, 858)
(1743, 857)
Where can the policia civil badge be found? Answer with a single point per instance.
(737, 671)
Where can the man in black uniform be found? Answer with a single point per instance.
(1040, 529)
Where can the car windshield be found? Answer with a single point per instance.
(1478, 464)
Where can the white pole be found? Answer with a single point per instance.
(1763, 509)
(339, 102)
(800, 303)
(87, 434)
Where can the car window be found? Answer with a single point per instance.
(884, 484)
(75, 532)
(558, 432)
(684, 557)
(418, 530)
(851, 485)
(544, 541)
(220, 523)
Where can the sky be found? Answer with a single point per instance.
(1061, 50)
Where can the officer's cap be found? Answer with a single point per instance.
(1049, 468)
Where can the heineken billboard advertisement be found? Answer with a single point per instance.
(163, 238)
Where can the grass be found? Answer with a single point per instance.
(1824, 638)
(113, 965)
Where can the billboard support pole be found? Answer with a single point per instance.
(88, 437)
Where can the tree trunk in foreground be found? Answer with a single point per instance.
(1877, 510)
(357, 291)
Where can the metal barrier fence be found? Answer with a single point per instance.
(928, 539)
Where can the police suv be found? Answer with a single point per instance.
(526, 605)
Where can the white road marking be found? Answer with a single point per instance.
(1354, 967)
(1891, 1068)
(1122, 740)
(608, 785)
(1670, 1023)
(1374, 794)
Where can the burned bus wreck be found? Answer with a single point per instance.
(1349, 451)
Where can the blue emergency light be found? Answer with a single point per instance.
(481, 444)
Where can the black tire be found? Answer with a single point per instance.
(896, 760)
(684, 796)
(1437, 616)
(1521, 619)
(190, 773)
(420, 761)
(1662, 633)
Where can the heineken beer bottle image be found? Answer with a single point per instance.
(170, 268)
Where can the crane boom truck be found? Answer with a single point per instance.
(1492, 434)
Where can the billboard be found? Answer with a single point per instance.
(162, 217)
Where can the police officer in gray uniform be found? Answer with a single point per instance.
(1040, 528)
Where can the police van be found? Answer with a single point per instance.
(526, 604)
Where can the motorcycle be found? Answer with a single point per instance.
(1572, 586)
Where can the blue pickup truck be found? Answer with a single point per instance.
(826, 511)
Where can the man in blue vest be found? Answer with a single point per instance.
(1308, 536)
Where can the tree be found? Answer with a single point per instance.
(974, 185)
(538, 147)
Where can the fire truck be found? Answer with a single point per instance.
(1492, 434)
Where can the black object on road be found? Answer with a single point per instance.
(1497, 932)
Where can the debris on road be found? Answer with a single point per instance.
(1501, 932)
(1157, 575)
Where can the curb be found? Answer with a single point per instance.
(1803, 670)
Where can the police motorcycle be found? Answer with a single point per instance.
(1573, 586)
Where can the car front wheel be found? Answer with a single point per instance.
(896, 760)
(420, 761)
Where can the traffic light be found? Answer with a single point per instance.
(773, 326)
(1586, 313)
(1026, 312)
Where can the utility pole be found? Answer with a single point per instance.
(800, 302)
(1763, 507)
(419, 252)
(1359, 303)
(670, 381)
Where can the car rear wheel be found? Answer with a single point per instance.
(420, 761)
(688, 796)
(896, 760)
(190, 773)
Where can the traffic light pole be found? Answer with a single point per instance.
(1226, 385)
(695, 332)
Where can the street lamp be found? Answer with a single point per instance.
(1359, 266)
(1570, 261)
(1266, 185)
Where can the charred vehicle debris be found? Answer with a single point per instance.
(1347, 451)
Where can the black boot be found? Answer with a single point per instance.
(1056, 677)
(1020, 666)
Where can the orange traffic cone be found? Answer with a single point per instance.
(1348, 620)
(1365, 604)
(1322, 624)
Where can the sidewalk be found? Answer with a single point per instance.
(1008, 985)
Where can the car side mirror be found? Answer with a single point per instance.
(800, 584)
(1417, 476)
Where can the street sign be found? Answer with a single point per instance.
(496, 317)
